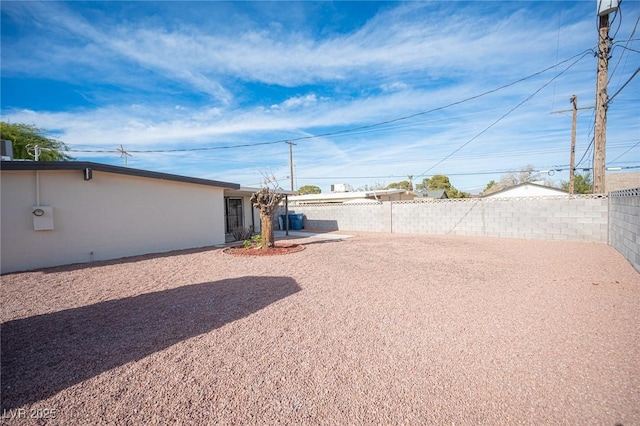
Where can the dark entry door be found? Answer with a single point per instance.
(233, 213)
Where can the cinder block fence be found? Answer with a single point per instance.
(588, 218)
(624, 224)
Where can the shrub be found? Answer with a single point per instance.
(257, 240)
(241, 233)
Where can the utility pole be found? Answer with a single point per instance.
(600, 135)
(572, 161)
(291, 144)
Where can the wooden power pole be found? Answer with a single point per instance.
(600, 135)
(572, 162)
(291, 144)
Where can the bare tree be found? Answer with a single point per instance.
(266, 200)
(527, 174)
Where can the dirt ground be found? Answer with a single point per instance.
(378, 328)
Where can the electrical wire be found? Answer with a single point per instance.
(541, 170)
(625, 48)
(359, 128)
(615, 16)
(149, 151)
(630, 49)
(622, 87)
(607, 103)
(562, 168)
(586, 151)
(615, 159)
(504, 115)
(581, 55)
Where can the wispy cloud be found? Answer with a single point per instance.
(157, 76)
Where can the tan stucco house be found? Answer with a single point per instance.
(57, 213)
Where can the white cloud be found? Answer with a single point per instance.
(394, 87)
(186, 85)
(297, 102)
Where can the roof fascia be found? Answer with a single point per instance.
(81, 165)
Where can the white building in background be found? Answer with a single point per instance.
(527, 189)
(354, 197)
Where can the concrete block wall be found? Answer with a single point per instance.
(582, 218)
(352, 217)
(624, 224)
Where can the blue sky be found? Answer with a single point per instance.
(220, 86)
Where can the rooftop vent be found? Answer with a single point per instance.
(6, 146)
(341, 187)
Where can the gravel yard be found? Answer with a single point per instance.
(378, 328)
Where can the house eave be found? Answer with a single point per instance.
(106, 168)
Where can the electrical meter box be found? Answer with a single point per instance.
(42, 218)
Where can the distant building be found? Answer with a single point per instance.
(618, 181)
(341, 187)
(354, 197)
(527, 189)
(439, 194)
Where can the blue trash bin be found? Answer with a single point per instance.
(295, 221)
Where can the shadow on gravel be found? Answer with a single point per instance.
(45, 354)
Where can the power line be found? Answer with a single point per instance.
(155, 151)
(505, 115)
(501, 154)
(630, 49)
(611, 98)
(492, 172)
(448, 105)
(614, 160)
(623, 86)
(359, 128)
(625, 47)
(587, 150)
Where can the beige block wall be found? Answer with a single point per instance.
(111, 216)
(618, 181)
(582, 218)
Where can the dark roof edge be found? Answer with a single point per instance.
(81, 165)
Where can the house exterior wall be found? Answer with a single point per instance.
(403, 196)
(111, 216)
(624, 224)
(582, 218)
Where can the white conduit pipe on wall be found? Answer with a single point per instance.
(37, 188)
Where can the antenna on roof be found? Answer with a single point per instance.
(123, 153)
(35, 150)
